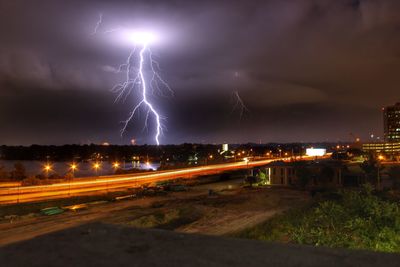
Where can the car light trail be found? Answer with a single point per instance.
(88, 186)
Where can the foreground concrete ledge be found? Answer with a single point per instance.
(110, 245)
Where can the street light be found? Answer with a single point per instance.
(116, 165)
(96, 167)
(47, 169)
(246, 159)
(380, 158)
(73, 168)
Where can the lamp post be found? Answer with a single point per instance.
(247, 164)
(73, 167)
(47, 169)
(210, 157)
(96, 167)
(116, 165)
(380, 158)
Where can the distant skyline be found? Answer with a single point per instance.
(308, 71)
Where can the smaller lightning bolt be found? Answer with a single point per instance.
(98, 24)
(238, 101)
(239, 104)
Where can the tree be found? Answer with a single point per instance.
(19, 172)
(372, 170)
(303, 174)
(3, 173)
(262, 176)
(394, 175)
(69, 176)
(251, 180)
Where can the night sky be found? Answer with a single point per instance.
(313, 70)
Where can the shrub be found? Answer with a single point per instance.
(19, 172)
(358, 219)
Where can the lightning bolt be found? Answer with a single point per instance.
(135, 78)
(239, 104)
(98, 24)
(238, 101)
(127, 88)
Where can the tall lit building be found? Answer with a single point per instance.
(391, 118)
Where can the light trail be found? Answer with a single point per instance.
(90, 186)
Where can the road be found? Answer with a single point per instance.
(29, 227)
(242, 208)
(95, 185)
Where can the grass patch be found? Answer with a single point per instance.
(34, 207)
(26, 208)
(186, 215)
(167, 219)
(354, 219)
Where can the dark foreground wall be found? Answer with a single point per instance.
(108, 245)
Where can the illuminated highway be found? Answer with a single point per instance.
(95, 185)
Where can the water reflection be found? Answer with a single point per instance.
(82, 169)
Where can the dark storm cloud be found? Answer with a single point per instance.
(319, 69)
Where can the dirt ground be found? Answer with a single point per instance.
(229, 208)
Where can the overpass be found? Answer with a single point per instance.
(95, 185)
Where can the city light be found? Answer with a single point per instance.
(47, 167)
(73, 166)
(116, 165)
(316, 152)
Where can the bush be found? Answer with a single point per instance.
(358, 219)
(36, 180)
(3, 173)
(19, 172)
(31, 181)
(251, 180)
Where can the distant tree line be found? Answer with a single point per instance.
(119, 152)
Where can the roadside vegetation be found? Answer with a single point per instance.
(355, 219)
